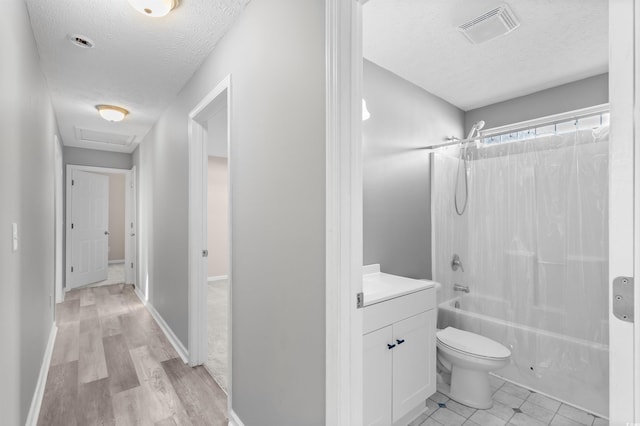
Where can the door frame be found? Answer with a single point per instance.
(129, 217)
(624, 206)
(197, 273)
(344, 220)
(58, 167)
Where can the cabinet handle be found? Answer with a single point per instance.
(400, 341)
(389, 346)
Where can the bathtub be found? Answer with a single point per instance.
(566, 368)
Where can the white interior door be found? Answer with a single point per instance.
(89, 228)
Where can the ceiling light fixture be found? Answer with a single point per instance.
(154, 8)
(111, 112)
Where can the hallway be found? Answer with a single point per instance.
(112, 365)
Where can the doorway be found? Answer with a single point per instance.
(210, 218)
(100, 226)
(345, 36)
(218, 247)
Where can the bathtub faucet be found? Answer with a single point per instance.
(463, 288)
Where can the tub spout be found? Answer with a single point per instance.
(463, 288)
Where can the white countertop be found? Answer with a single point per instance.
(378, 286)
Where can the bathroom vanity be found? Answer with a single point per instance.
(399, 325)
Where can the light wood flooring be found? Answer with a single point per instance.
(112, 365)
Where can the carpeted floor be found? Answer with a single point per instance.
(217, 329)
(115, 275)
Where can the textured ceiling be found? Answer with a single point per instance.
(558, 41)
(139, 63)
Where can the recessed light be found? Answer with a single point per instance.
(112, 112)
(154, 8)
(81, 41)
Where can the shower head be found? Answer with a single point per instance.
(475, 128)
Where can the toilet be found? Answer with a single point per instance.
(469, 358)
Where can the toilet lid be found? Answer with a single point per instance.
(472, 343)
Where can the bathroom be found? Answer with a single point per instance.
(513, 224)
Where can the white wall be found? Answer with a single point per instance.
(28, 126)
(396, 171)
(276, 55)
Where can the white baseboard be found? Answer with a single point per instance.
(234, 420)
(175, 342)
(36, 401)
(218, 278)
(116, 261)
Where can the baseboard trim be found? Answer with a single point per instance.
(38, 394)
(116, 261)
(234, 420)
(218, 278)
(175, 342)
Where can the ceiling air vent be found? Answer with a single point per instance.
(87, 135)
(81, 41)
(493, 24)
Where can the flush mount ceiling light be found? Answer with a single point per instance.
(111, 112)
(154, 8)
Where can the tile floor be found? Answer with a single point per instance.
(513, 405)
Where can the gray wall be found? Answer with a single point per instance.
(276, 55)
(397, 199)
(95, 158)
(567, 97)
(27, 126)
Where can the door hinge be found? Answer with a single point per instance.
(73, 182)
(360, 300)
(623, 294)
(205, 253)
(72, 269)
(72, 226)
(131, 265)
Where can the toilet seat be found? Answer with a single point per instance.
(472, 344)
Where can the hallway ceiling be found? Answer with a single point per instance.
(557, 42)
(139, 63)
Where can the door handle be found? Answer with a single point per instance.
(399, 341)
(106, 232)
(390, 346)
(132, 235)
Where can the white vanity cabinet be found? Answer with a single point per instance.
(399, 356)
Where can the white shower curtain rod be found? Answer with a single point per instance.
(529, 124)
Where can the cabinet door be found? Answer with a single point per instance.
(414, 356)
(377, 377)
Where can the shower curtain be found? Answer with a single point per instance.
(534, 246)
